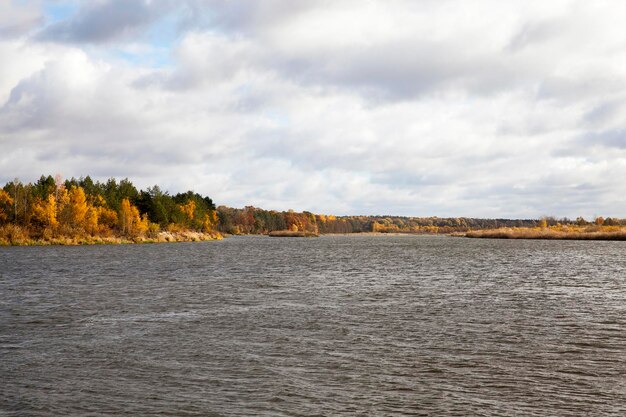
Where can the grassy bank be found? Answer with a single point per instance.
(290, 233)
(552, 233)
(11, 235)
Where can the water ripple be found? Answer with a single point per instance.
(345, 326)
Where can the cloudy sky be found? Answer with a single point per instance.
(419, 107)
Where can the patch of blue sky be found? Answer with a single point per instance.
(154, 47)
(165, 32)
(57, 11)
(144, 56)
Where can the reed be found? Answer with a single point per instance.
(554, 233)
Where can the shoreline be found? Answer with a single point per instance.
(384, 234)
(290, 233)
(161, 237)
(608, 234)
(174, 237)
(615, 234)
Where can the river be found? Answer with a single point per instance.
(329, 326)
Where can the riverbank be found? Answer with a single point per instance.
(20, 239)
(579, 233)
(290, 233)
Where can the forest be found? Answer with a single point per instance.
(251, 220)
(84, 211)
(73, 211)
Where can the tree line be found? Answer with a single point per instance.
(51, 207)
(252, 220)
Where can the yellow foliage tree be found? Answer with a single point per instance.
(45, 211)
(5, 204)
(91, 220)
(188, 209)
(131, 224)
(143, 225)
(210, 222)
(62, 201)
(107, 217)
(77, 206)
(99, 201)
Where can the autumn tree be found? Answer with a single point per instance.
(188, 210)
(195, 212)
(74, 207)
(107, 219)
(62, 198)
(58, 183)
(127, 216)
(90, 222)
(210, 222)
(77, 206)
(6, 204)
(19, 199)
(45, 211)
(130, 222)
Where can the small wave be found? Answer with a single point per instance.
(149, 317)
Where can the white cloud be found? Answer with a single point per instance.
(416, 108)
(17, 18)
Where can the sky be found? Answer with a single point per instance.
(483, 108)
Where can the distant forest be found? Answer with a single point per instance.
(52, 208)
(252, 220)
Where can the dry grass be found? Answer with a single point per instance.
(184, 236)
(554, 233)
(18, 236)
(289, 233)
(11, 234)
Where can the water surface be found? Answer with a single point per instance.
(338, 325)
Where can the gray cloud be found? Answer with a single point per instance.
(613, 138)
(533, 33)
(605, 113)
(391, 67)
(103, 21)
(116, 20)
(246, 16)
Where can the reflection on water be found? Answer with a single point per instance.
(344, 325)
